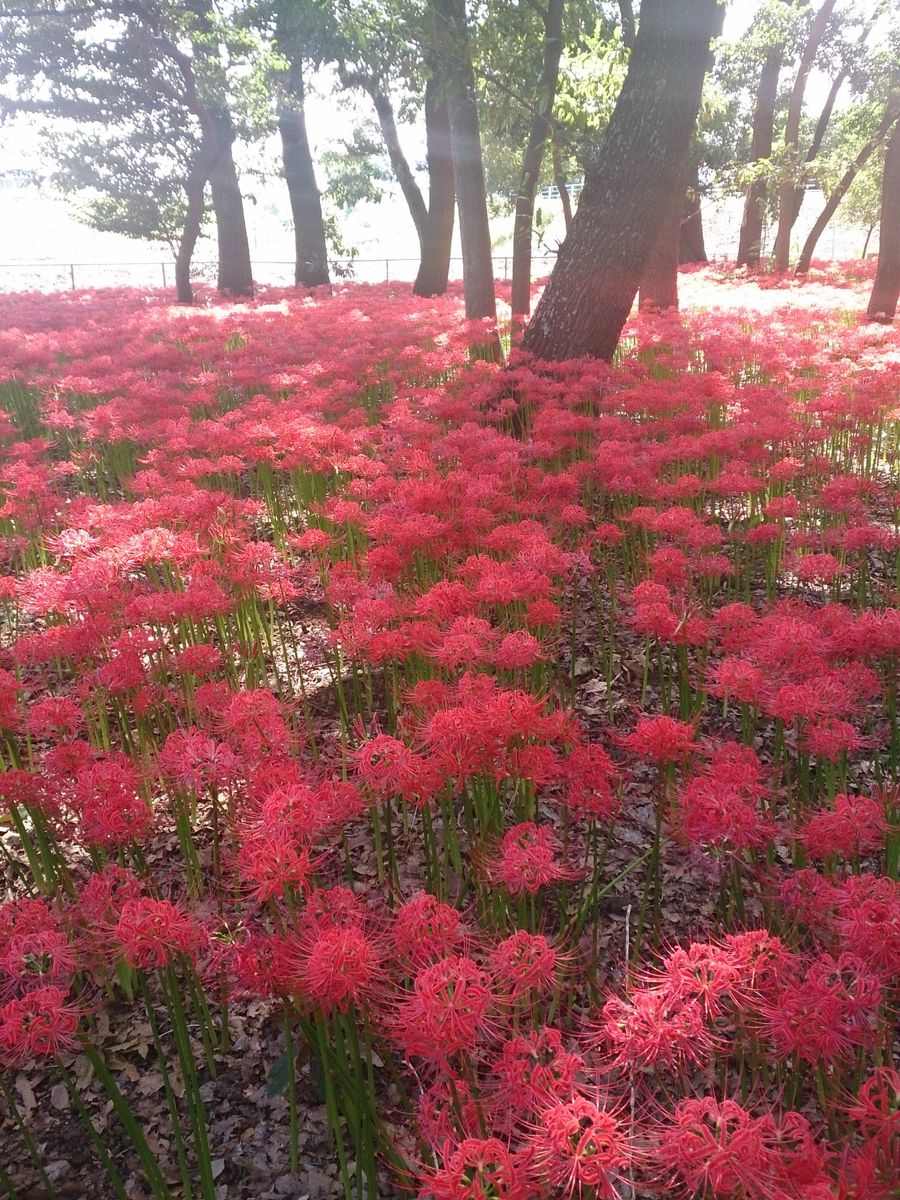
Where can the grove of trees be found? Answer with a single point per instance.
(147, 109)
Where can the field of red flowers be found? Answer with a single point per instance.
(422, 779)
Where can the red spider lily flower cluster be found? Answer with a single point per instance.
(527, 744)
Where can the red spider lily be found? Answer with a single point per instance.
(39, 1024)
(197, 762)
(830, 738)
(266, 964)
(524, 962)
(527, 860)
(866, 918)
(825, 1016)
(332, 907)
(654, 1026)
(661, 740)
(590, 778)
(449, 1009)
(478, 1169)
(720, 807)
(580, 1149)
(705, 972)
(341, 967)
(110, 804)
(855, 826)
(271, 863)
(722, 1146)
(424, 929)
(151, 933)
(876, 1107)
(35, 959)
(387, 767)
(534, 1070)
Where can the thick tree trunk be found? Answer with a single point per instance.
(235, 272)
(310, 245)
(659, 282)
(541, 129)
(471, 198)
(628, 184)
(435, 246)
(834, 200)
(691, 244)
(886, 289)
(787, 190)
(750, 244)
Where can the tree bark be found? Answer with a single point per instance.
(559, 177)
(834, 200)
(310, 244)
(659, 282)
(691, 243)
(799, 191)
(235, 276)
(195, 188)
(541, 129)
(465, 133)
(628, 184)
(886, 289)
(215, 166)
(626, 11)
(435, 246)
(786, 191)
(750, 243)
(401, 168)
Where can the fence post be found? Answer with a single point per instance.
(387, 270)
(72, 275)
(163, 265)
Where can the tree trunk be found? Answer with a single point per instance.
(750, 244)
(235, 272)
(559, 176)
(465, 133)
(541, 129)
(628, 184)
(626, 12)
(691, 243)
(787, 189)
(434, 265)
(401, 168)
(195, 187)
(842, 188)
(886, 289)
(659, 282)
(310, 245)
(799, 190)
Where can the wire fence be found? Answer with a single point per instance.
(55, 276)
